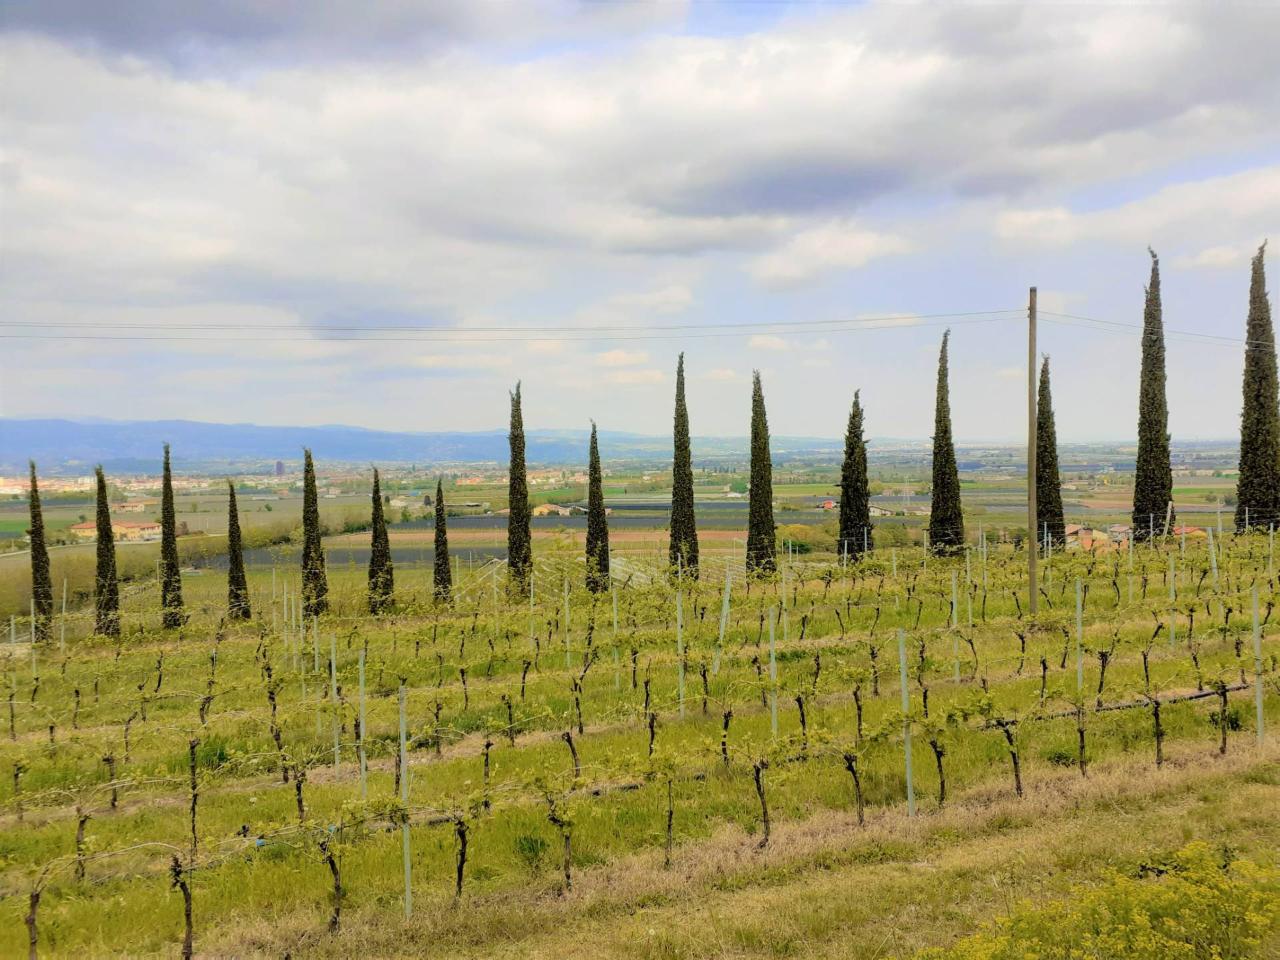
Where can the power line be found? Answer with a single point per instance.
(513, 334)
(1119, 326)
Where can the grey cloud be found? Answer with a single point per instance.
(230, 33)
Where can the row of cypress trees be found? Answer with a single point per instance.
(1258, 488)
(1258, 483)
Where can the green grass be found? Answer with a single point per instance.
(274, 896)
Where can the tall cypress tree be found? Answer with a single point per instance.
(519, 542)
(761, 533)
(443, 573)
(1153, 474)
(855, 490)
(1048, 483)
(315, 583)
(683, 549)
(106, 588)
(1258, 488)
(946, 517)
(237, 583)
(170, 572)
(381, 575)
(41, 581)
(597, 524)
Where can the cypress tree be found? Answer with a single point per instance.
(237, 584)
(946, 517)
(855, 491)
(761, 532)
(519, 544)
(41, 581)
(1153, 475)
(1048, 483)
(315, 584)
(443, 573)
(597, 524)
(170, 572)
(683, 549)
(381, 575)
(106, 588)
(1258, 487)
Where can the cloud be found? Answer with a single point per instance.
(832, 246)
(1181, 215)
(230, 31)
(767, 341)
(444, 167)
(462, 361)
(672, 298)
(545, 348)
(633, 377)
(720, 374)
(621, 358)
(1213, 257)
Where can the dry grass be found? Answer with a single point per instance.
(826, 887)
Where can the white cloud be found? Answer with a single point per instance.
(1213, 257)
(621, 358)
(672, 298)
(767, 341)
(599, 184)
(633, 377)
(545, 347)
(1183, 215)
(462, 361)
(833, 246)
(720, 374)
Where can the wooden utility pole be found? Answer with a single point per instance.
(1032, 531)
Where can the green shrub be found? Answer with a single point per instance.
(1195, 907)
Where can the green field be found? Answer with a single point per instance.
(568, 851)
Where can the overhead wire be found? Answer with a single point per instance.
(518, 334)
(1119, 327)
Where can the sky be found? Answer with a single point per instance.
(385, 214)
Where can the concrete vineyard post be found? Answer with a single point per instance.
(724, 622)
(773, 674)
(906, 720)
(1213, 556)
(680, 645)
(333, 700)
(1079, 637)
(404, 826)
(364, 765)
(1257, 666)
(955, 628)
(617, 662)
(567, 663)
(62, 622)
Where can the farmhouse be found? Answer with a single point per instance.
(124, 531)
(134, 506)
(550, 510)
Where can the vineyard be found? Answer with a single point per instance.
(484, 776)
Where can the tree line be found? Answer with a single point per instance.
(1257, 503)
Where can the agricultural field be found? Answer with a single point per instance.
(864, 760)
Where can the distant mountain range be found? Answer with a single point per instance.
(74, 446)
